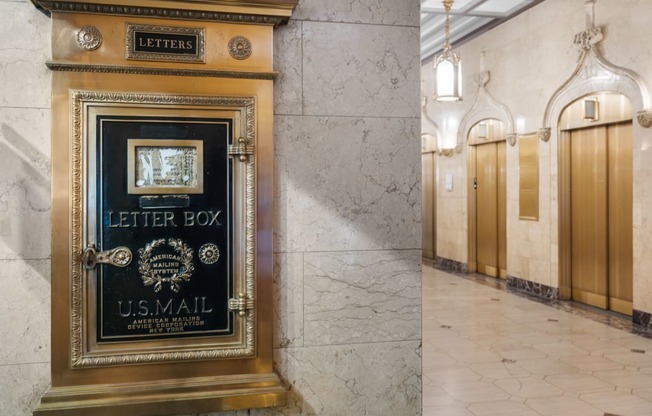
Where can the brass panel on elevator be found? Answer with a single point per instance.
(589, 251)
(595, 202)
(565, 241)
(602, 180)
(620, 217)
(501, 161)
(490, 197)
(428, 204)
(487, 212)
(528, 179)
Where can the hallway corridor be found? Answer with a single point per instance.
(489, 352)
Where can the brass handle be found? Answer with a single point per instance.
(119, 257)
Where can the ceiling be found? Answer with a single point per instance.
(468, 19)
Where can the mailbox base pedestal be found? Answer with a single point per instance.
(170, 397)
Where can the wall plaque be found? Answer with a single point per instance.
(165, 43)
(528, 178)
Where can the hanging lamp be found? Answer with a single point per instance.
(448, 67)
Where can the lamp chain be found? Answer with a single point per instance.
(448, 4)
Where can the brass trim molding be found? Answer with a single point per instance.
(160, 12)
(115, 69)
(201, 394)
(80, 100)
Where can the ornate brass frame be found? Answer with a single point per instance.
(86, 352)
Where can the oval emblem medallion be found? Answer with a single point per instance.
(166, 261)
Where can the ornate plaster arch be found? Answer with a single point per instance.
(485, 106)
(595, 74)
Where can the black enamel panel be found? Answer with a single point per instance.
(169, 290)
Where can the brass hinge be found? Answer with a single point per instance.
(242, 149)
(241, 304)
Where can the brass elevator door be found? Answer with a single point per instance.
(601, 217)
(428, 206)
(491, 209)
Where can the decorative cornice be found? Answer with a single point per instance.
(544, 134)
(445, 152)
(113, 69)
(482, 79)
(48, 6)
(644, 118)
(586, 39)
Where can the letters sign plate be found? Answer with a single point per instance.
(165, 43)
(165, 191)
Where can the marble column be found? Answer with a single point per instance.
(24, 207)
(347, 214)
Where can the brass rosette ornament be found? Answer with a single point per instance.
(209, 253)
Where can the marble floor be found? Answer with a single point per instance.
(490, 352)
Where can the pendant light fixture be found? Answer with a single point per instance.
(448, 67)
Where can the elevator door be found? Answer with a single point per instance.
(491, 209)
(428, 195)
(601, 217)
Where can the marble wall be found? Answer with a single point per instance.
(529, 57)
(24, 207)
(347, 215)
(347, 208)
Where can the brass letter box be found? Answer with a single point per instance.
(162, 206)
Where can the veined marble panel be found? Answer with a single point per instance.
(22, 387)
(288, 300)
(25, 46)
(380, 379)
(362, 296)
(24, 321)
(383, 12)
(288, 90)
(360, 70)
(24, 183)
(347, 184)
